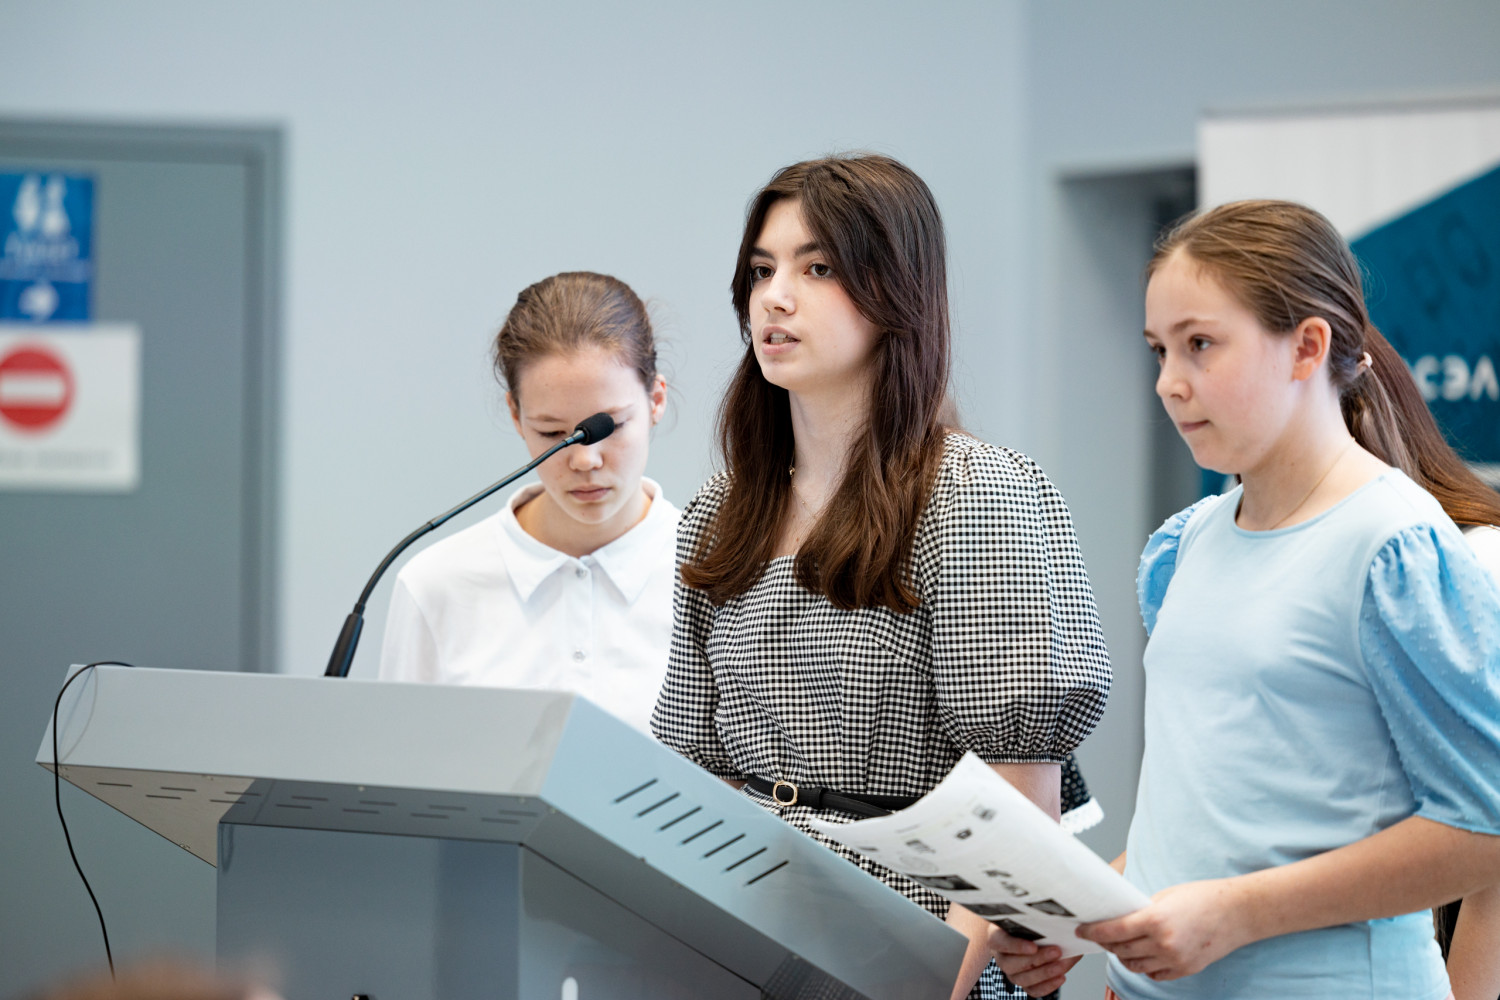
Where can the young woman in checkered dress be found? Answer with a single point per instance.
(865, 591)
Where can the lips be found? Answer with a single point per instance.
(589, 493)
(777, 339)
(1188, 426)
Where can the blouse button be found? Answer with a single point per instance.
(582, 573)
(579, 654)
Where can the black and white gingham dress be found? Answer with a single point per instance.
(1004, 657)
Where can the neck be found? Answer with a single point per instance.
(824, 428)
(1298, 478)
(543, 520)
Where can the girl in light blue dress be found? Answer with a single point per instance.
(1322, 758)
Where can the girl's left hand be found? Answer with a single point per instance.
(1185, 928)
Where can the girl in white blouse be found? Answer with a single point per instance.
(569, 586)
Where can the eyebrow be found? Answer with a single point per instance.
(546, 418)
(1180, 325)
(802, 251)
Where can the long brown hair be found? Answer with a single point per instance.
(570, 312)
(880, 228)
(1465, 497)
(1287, 263)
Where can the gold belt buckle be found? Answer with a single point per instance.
(776, 793)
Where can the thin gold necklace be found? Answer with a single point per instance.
(812, 515)
(1308, 495)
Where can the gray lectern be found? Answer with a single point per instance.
(421, 842)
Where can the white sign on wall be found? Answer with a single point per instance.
(70, 407)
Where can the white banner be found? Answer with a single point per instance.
(70, 407)
(1359, 167)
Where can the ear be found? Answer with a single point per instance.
(515, 410)
(1310, 344)
(658, 398)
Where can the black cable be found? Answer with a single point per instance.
(57, 795)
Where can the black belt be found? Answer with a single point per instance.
(784, 793)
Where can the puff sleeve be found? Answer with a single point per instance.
(1020, 670)
(1159, 562)
(1429, 632)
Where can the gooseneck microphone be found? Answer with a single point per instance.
(589, 430)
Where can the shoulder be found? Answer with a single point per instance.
(663, 513)
(976, 472)
(1484, 539)
(701, 509)
(472, 554)
(1159, 558)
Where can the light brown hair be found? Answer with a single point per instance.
(880, 228)
(570, 312)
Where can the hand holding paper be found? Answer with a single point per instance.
(976, 840)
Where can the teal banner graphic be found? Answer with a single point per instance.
(1433, 288)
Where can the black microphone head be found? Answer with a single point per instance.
(595, 428)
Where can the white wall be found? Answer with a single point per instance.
(442, 157)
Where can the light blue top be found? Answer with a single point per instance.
(1306, 688)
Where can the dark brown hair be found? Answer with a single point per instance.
(1287, 263)
(879, 227)
(574, 311)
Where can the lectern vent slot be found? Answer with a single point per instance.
(679, 819)
(150, 795)
(765, 873)
(747, 857)
(638, 788)
(658, 805)
(695, 836)
(732, 840)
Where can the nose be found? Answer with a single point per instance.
(1169, 381)
(776, 292)
(585, 457)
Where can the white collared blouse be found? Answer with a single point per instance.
(490, 605)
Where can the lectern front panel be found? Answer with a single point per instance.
(417, 918)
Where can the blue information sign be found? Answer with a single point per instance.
(1434, 291)
(46, 246)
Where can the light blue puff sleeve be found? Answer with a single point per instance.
(1159, 562)
(1430, 634)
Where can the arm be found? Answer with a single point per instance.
(1041, 783)
(1409, 866)
(1474, 956)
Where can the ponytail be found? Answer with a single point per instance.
(1370, 412)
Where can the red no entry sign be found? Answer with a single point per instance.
(36, 388)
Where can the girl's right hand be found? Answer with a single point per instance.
(1038, 971)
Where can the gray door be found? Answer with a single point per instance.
(175, 574)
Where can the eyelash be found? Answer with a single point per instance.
(1196, 345)
(760, 272)
(557, 434)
